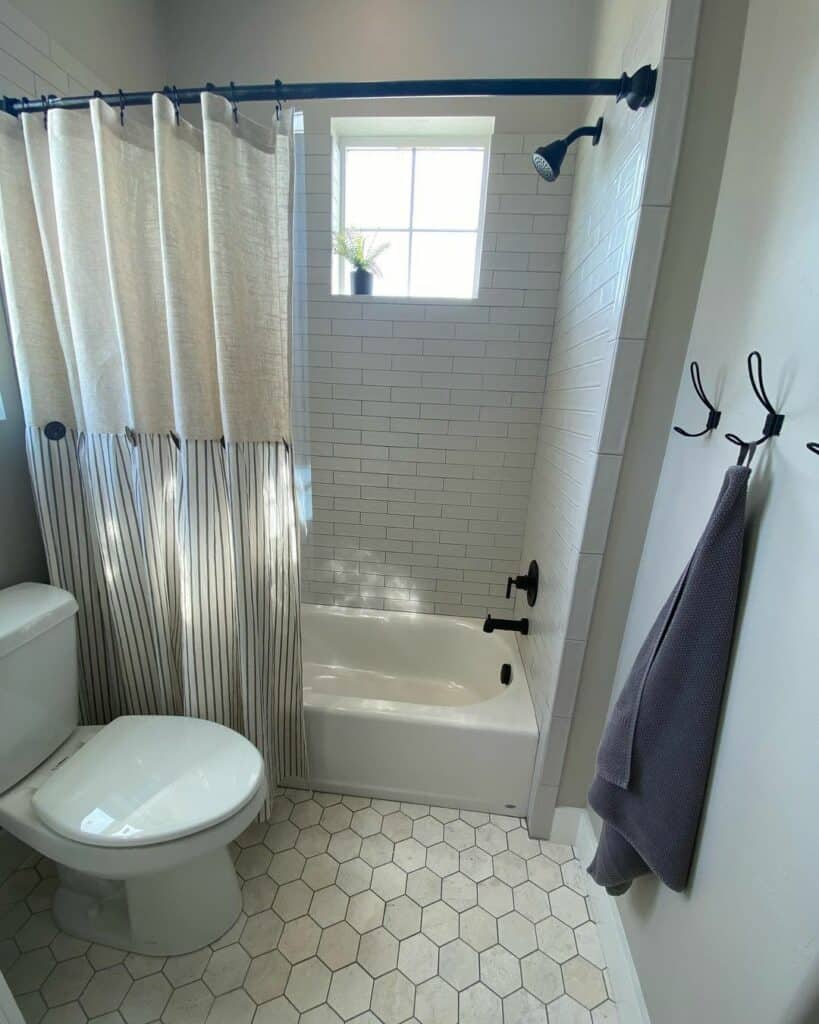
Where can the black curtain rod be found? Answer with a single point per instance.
(637, 90)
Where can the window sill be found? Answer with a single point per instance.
(412, 300)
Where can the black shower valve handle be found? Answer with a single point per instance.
(521, 582)
(529, 583)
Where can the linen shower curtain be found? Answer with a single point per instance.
(147, 274)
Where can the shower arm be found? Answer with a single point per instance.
(637, 90)
(579, 133)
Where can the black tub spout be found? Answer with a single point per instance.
(514, 625)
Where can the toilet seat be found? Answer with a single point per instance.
(149, 779)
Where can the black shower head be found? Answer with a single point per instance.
(548, 159)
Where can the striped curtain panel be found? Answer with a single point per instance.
(147, 275)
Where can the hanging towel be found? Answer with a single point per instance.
(655, 754)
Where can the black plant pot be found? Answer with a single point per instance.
(361, 282)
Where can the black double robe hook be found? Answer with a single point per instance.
(773, 420)
(714, 415)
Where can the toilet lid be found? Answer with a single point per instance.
(148, 779)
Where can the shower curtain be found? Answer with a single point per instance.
(147, 273)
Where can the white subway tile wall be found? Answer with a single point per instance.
(423, 414)
(32, 64)
(615, 236)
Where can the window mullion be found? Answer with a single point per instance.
(411, 223)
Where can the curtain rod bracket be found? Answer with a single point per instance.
(638, 89)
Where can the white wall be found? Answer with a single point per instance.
(716, 66)
(357, 40)
(118, 44)
(423, 414)
(616, 230)
(741, 944)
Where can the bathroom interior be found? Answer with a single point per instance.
(408, 428)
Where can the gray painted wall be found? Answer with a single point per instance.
(49, 45)
(740, 946)
(121, 41)
(21, 549)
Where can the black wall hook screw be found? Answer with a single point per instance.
(714, 415)
(773, 419)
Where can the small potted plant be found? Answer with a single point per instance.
(363, 256)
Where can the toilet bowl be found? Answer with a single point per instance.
(137, 815)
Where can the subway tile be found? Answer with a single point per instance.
(442, 399)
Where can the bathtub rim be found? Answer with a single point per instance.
(512, 708)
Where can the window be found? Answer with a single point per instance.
(422, 194)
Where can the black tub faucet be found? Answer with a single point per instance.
(515, 625)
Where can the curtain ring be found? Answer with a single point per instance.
(45, 101)
(121, 107)
(233, 104)
(278, 84)
(175, 101)
(131, 436)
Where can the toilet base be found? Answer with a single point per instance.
(162, 914)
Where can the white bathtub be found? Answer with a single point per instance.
(411, 707)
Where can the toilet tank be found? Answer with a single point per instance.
(39, 676)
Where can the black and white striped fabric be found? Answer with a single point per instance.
(148, 280)
(184, 561)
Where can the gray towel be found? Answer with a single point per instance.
(655, 754)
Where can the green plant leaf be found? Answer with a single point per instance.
(352, 246)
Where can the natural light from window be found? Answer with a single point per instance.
(424, 198)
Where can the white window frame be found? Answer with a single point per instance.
(416, 142)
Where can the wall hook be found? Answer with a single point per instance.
(773, 419)
(714, 415)
(813, 446)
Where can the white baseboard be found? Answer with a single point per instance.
(565, 823)
(628, 993)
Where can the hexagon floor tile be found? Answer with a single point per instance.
(353, 910)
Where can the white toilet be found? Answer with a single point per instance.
(137, 814)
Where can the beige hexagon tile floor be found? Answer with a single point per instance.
(354, 910)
